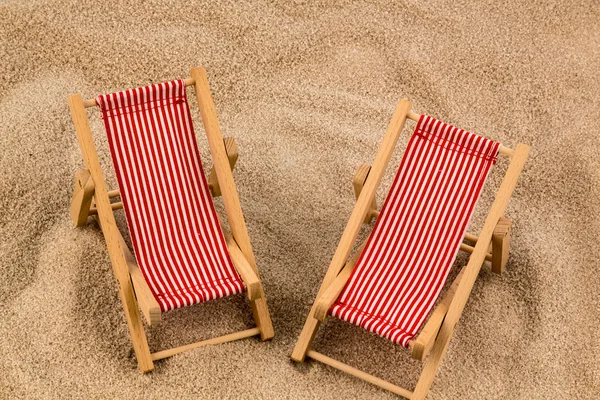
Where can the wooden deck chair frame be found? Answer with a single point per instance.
(91, 197)
(438, 330)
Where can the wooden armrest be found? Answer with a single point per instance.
(422, 345)
(242, 266)
(326, 300)
(232, 154)
(147, 303)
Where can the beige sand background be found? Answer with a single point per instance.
(307, 90)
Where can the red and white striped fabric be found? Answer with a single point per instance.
(416, 238)
(174, 228)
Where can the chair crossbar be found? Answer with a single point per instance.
(359, 374)
(159, 355)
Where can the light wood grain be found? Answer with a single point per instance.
(81, 201)
(470, 237)
(111, 234)
(159, 355)
(360, 176)
(221, 165)
(436, 333)
(224, 153)
(232, 154)
(500, 245)
(469, 249)
(246, 272)
(363, 204)
(143, 294)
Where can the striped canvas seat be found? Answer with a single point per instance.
(416, 238)
(176, 236)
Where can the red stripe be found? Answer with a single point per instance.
(403, 267)
(177, 239)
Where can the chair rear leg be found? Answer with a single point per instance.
(262, 317)
(81, 201)
(500, 245)
(311, 326)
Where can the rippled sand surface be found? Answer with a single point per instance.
(307, 90)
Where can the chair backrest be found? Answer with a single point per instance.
(416, 238)
(173, 224)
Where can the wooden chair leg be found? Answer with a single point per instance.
(128, 300)
(232, 154)
(500, 245)
(360, 176)
(81, 201)
(311, 326)
(262, 317)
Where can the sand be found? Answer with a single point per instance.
(307, 90)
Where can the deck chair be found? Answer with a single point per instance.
(392, 282)
(182, 254)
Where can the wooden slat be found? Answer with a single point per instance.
(111, 234)
(360, 176)
(359, 374)
(232, 155)
(471, 270)
(229, 193)
(221, 165)
(363, 204)
(159, 355)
